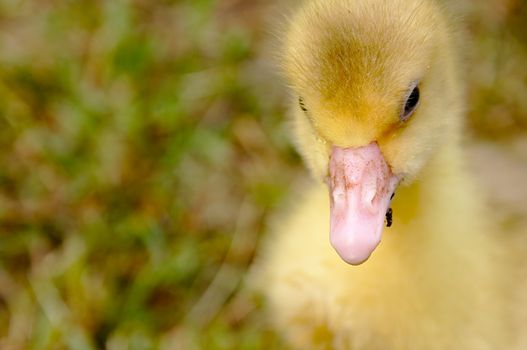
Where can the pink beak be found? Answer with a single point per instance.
(361, 186)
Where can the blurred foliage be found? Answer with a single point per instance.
(496, 69)
(143, 148)
(138, 139)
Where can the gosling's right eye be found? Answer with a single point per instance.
(411, 103)
(302, 104)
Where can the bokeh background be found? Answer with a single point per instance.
(144, 149)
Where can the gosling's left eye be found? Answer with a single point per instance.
(302, 104)
(412, 101)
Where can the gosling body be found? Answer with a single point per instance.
(444, 275)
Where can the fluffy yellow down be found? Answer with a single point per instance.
(444, 277)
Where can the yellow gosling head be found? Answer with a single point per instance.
(375, 95)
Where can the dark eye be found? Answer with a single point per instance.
(411, 104)
(302, 104)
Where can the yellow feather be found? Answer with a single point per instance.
(443, 276)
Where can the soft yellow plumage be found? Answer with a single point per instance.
(443, 277)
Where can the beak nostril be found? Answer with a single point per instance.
(368, 197)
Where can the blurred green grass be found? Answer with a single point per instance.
(143, 150)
